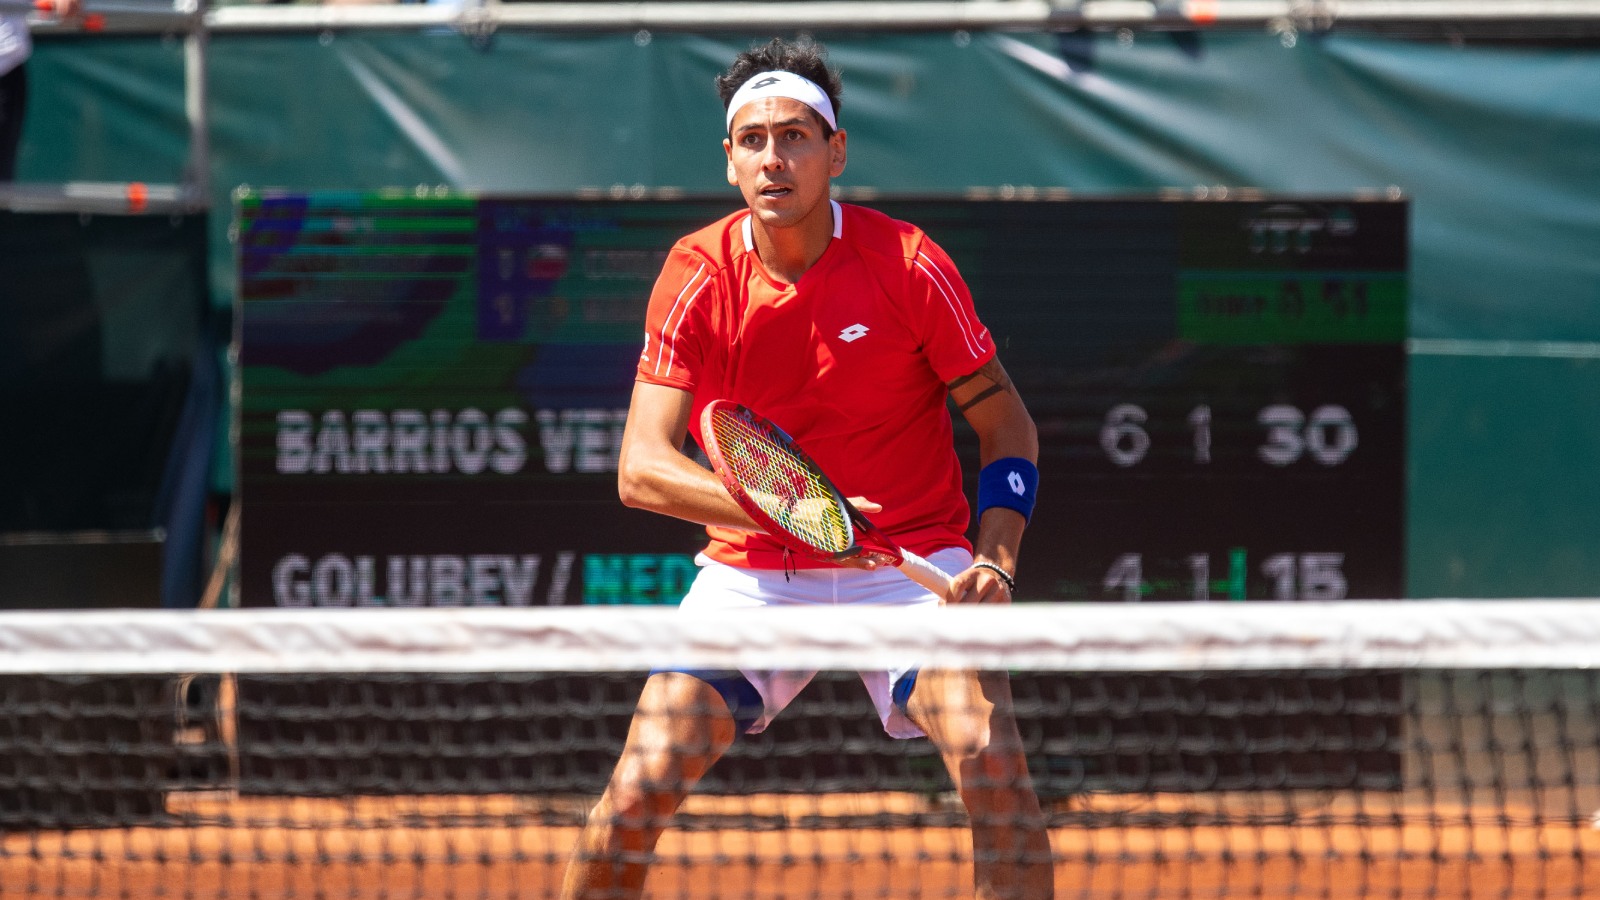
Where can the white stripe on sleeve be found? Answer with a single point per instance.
(680, 307)
(963, 320)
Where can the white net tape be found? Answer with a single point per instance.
(1064, 637)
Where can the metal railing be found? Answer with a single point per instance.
(741, 15)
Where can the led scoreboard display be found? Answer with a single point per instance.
(1219, 389)
(433, 391)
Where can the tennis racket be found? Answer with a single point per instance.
(788, 495)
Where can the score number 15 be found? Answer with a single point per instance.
(1293, 576)
(1327, 434)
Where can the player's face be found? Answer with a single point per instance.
(780, 161)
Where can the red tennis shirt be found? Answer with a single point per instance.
(851, 360)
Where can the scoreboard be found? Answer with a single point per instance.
(1220, 392)
(433, 389)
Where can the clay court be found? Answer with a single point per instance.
(828, 848)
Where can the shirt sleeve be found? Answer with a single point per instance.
(676, 324)
(954, 340)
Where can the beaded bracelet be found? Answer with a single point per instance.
(1010, 583)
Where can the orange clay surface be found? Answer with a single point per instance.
(507, 847)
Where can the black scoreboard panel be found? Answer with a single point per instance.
(433, 390)
(1219, 390)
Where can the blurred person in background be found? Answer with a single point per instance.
(16, 45)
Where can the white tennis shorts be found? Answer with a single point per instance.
(723, 587)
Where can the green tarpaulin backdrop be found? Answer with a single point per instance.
(1496, 147)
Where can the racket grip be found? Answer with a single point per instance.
(926, 574)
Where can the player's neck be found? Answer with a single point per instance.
(788, 253)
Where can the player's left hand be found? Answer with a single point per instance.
(864, 506)
(978, 585)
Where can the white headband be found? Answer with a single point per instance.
(783, 84)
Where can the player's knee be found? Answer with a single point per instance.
(655, 771)
(972, 743)
(643, 792)
(982, 763)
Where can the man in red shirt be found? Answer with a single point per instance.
(849, 330)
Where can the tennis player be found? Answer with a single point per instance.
(850, 330)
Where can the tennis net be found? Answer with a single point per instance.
(1342, 750)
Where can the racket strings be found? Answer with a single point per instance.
(793, 494)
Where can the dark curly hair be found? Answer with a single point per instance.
(804, 58)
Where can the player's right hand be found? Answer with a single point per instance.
(976, 585)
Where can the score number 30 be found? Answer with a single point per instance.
(1327, 435)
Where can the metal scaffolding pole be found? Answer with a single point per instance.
(906, 15)
(184, 16)
(197, 172)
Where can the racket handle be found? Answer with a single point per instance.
(926, 574)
